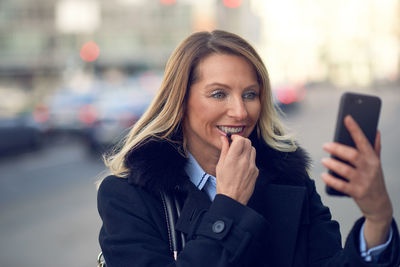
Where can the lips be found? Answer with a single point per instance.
(231, 129)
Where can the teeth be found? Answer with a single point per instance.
(231, 129)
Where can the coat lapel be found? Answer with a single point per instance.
(195, 203)
(282, 207)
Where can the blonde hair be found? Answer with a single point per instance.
(164, 116)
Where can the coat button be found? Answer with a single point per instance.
(218, 227)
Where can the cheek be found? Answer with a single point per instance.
(206, 121)
(201, 115)
(255, 111)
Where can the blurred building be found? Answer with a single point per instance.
(347, 43)
(353, 42)
(41, 41)
(46, 35)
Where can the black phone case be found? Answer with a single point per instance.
(365, 110)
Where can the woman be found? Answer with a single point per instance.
(245, 203)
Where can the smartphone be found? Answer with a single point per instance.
(365, 110)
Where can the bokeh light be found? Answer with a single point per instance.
(232, 3)
(41, 113)
(90, 51)
(167, 2)
(88, 114)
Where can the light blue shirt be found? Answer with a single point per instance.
(200, 178)
(205, 181)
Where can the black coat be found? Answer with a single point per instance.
(284, 223)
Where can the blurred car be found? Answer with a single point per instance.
(61, 112)
(19, 133)
(113, 113)
(289, 95)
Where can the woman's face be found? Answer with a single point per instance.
(224, 98)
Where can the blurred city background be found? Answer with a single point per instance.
(76, 74)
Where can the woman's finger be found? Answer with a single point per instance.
(253, 153)
(341, 168)
(253, 161)
(346, 153)
(335, 183)
(357, 134)
(239, 145)
(224, 149)
(377, 146)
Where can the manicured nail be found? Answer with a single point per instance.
(349, 117)
(323, 176)
(324, 160)
(327, 145)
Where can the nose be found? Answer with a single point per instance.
(237, 109)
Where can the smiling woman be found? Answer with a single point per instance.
(211, 144)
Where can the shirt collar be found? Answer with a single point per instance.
(196, 174)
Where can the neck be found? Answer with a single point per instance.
(207, 161)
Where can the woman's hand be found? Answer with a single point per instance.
(236, 169)
(365, 181)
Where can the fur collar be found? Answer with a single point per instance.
(157, 164)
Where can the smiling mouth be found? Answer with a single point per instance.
(231, 130)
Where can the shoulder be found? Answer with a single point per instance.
(112, 184)
(118, 200)
(118, 189)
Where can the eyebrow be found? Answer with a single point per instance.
(253, 86)
(216, 84)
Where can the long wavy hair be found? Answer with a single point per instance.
(163, 118)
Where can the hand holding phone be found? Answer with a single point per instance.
(364, 169)
(365, 110)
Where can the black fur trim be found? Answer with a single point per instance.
(157, 164)
(285, 167)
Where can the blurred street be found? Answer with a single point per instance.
(48, 197)
(48, 207)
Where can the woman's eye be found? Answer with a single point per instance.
(218, 94)
(250, 95)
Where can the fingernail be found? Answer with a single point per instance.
(323, 176)
(327, 145)
(324, 160)
(349, 117)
